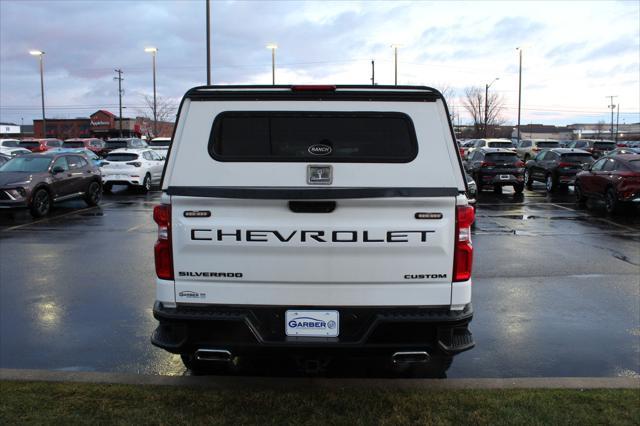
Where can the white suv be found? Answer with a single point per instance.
(314, 222)
(132, 167)
(160, 145)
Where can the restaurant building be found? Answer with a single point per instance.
(101, 124)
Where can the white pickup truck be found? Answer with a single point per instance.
(315, 222)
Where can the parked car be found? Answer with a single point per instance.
(14, 151)
(131, 143)
(556, 167)
(37, 181)
(95, 158)
(139, 168)
(160, 145)
(4, 158)
(9, 143)
(597, 148)
(529, 148)
(619, 151)
(40, 145)
(490, 143)
(496, 167)
(616, 180)
(93, 144)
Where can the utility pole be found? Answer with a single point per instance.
(486, 104)
(395, 62)
(208, 45)
(617, 122)
(612, 106)
(373, 72)
(519, 91)
(119, 78)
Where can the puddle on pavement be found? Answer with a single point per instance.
(92, 214)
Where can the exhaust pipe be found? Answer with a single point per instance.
(410, 357)
(220, 355)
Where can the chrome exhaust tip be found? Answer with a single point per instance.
(410, 357)
(220, 355)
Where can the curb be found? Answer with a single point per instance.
(232, 382)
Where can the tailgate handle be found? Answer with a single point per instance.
(312, 206)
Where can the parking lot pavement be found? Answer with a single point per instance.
(556, 289)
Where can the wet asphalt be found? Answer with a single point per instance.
(556, 290)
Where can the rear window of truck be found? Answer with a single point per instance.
(30, 144)
(358, 137)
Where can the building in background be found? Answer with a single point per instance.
(101, 124)
(542, 131)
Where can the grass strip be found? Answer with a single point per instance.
(75, 403)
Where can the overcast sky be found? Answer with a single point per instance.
(575, 53)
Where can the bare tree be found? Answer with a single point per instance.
(166, 112)
(485, 115)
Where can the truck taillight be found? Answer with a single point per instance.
(463, 254)
(162, 248)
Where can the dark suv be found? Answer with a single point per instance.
(36, 181)
(596, 148)
(556, 167)
(496, 167)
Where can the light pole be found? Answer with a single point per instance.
(154, 51)
(41, 55)
(486, 104)
(395, 61)
(519, 90)
(273, 48)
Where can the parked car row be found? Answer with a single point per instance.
(613, 178)
(37, 180)
(98, 146)
(529, 148)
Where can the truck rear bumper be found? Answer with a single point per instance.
(247, 330)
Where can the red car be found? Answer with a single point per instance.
(40, 145)
(92, 144)
(614, 179)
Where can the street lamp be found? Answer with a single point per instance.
(395, 60)
(41, 55)
(154, 51)
(519, 90)
(273, 48)
(486, 104)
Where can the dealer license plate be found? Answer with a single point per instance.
(312, 323)
(505, 177)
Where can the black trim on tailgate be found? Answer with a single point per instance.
(296, 193)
